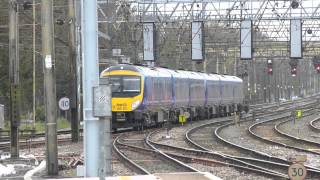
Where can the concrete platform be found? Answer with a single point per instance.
(161, 176)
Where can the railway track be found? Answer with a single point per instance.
(5, 147)
(31, 135)
(251, 156)
(209, 158)
(248, 156)
(145, 160)
(315, 124)
(185, 159)
(312, 145)
(275, 136)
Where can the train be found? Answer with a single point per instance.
(145, 96)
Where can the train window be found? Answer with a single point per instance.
(131, 84)
(125, 86)
(116, 83)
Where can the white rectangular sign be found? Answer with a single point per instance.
(197, 41)
(246, 39)
(148, 41)
(116, 52)
(295, 38)
(102, 101)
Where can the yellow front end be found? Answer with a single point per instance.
(121, 103)
(125, 104)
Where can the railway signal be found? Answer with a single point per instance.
(318, 68)
(293, 71)
(269, 64)
(293, 63)
(316, 64)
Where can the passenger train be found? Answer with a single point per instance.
(146, 96)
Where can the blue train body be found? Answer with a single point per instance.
(165, 94)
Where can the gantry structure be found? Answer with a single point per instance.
(271, 18)
(222, 19)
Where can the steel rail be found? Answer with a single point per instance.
(251, 131)
(313, 126)
(277, 128)
(132, 165)
(222, 159)
(312, 170)
(147, 140)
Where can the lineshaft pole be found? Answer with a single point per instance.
(34, 62)
(49, 86)
(73, 65)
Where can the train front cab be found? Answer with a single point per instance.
(127, 93)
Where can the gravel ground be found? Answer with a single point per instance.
(240, 136)
(177, 134)
(75, 149)
(228, 172)
(152, 163)
(136, 139)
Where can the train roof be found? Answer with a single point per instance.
(227, 78)
(212, 77)
(164, 72)
(150, 71)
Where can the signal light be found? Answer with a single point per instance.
(318, 68)
(293, 71)
(316, 63)
(269, 64)
(293, 64)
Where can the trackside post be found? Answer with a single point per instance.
(102, 110)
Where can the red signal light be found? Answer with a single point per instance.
(318, 68)
(270, 71)
(293, 71)
(269, 65)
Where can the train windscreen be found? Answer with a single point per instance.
(125, 86)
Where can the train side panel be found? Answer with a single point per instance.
(213, 90)
(197, 89)
(180, 89)
(158, 90)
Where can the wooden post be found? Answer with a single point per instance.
(49, 86)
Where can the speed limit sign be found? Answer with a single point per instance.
(297, 171)
(64, 104)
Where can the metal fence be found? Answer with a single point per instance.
(1, 116)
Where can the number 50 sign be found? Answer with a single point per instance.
(297, 171)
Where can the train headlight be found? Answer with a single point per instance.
(135, 104)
